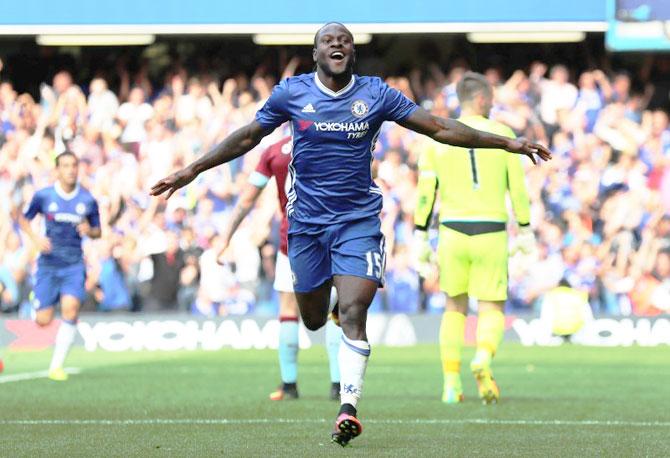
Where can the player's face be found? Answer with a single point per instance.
(334, 53)
(68, 170)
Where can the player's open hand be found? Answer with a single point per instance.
(523, 146)
(173, 182)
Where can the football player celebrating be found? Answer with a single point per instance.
(333, 207)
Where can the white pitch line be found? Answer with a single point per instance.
(33, 375)
(255, 421)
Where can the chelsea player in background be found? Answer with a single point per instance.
(333, 203)
(70, 213)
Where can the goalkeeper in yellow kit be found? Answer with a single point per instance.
(472, 248)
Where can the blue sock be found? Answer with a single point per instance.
(333, 340)
(288, 349)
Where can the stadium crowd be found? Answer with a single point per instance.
(600, 208)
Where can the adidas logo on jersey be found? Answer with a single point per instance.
(309, 108)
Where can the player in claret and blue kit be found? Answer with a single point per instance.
(274, 162)
(70, 213)
(333, 204)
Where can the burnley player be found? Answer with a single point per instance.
(472, 250)
(70, 213)
(274, 162)
(333, 203)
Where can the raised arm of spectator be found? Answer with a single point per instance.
(603, 84)
(124, 81)
(261, 87)
(291, 67)
(225, 101)
(644, 257)
(650, 244)
(82, 105)
(437, 74)
(213, 92)
(244, 204)
(57, 111)
(148, 216)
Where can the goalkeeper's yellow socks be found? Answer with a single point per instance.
(452, 336)
(490, 330)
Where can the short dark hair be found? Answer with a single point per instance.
(470, 84)
(65, 154)
(316, 35)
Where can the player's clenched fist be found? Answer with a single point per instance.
(43, 244)
(83, 229)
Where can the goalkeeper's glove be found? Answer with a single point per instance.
(525, 242)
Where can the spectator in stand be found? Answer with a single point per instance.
(601, 207)
(167, 267)
(102, 105)
(132, 116)
(557, 94)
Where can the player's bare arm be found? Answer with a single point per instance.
(235, 145)
(456, 133)
(41, 243)
(242, 208)
(85, 230)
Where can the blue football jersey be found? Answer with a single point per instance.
(63, 212)
(334, 134)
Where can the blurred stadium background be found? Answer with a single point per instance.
(139, 88)
(136, 90)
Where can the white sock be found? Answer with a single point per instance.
(66, 334)
(353, 358)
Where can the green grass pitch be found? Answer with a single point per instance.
(561, 401)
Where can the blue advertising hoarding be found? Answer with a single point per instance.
(21, 16)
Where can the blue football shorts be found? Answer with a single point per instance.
(317, 252)
(53, 282)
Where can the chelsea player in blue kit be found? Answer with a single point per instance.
(333, 203)
(70, 213)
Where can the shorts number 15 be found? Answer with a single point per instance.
(374, 268)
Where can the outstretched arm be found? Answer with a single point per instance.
(456, 133)
(233, 146)
(242, 208)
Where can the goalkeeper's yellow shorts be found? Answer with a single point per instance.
(473, 264)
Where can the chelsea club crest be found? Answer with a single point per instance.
(359, 108)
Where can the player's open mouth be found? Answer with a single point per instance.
(337, 55)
